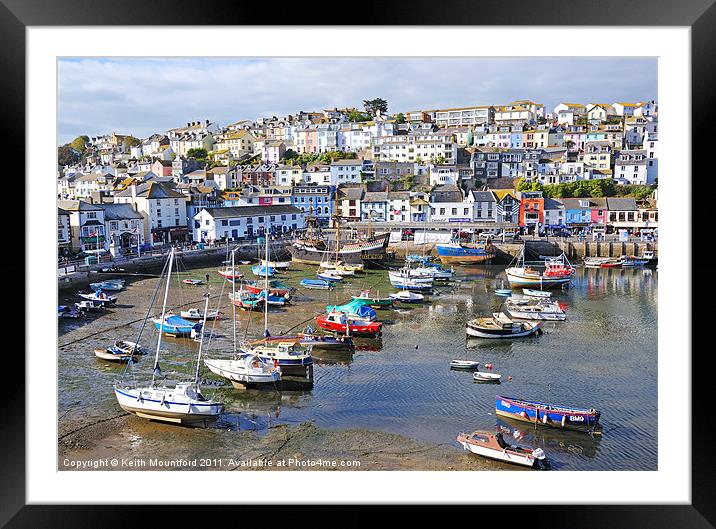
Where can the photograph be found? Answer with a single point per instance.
(356, 263)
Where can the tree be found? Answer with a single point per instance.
(400, 118)
(131, 141)
(197, 154)
(66, 155)
(290, 154)
(356, 115)
(79, 144)
(373, 105)
(440, 160)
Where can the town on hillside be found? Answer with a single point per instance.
(577, 170)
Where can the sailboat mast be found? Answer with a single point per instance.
(201, 339)
(266, 291)
(233, 292)
(164, 308)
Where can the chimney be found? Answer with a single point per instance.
(188, 123)
(207, 121)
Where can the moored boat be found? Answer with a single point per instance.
(484, 376)
(276, 288)
(87, 305)
(464, 364)
(329, 275)
(244, 370)
(192, 281)
(263, 271)
(175, 325)
(406, 296)
(120, 351)
(230, 273)
(544, 414)
(372, 301)
(246, 300)
(318, 284)
(342, 324)
(557, 272)
(503, 292)
(465, 253)
(287, 353)
(114, 285)
(534, 309)
(536, 293)
(500, 326)
(282, 265)
(355, 310)
(493, 445)
(197, 314)
(98, 297)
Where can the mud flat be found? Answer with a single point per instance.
(137, 444)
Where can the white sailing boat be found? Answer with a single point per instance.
(557, 272)
(242, 369)
(182, 403)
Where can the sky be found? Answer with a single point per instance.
(145, 96)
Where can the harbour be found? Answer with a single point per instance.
(395, 388)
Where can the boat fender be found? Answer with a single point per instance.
(523, 414)
(564, 420)
(544, 418)
(509, 377)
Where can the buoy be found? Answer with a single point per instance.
(416, 346)
(544, 419)
(509, 377)
(564, 420)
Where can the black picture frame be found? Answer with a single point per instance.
(16, 15)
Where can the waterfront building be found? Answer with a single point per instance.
(374, 206)
(531, 208)
(86, 225)
(246, 222)
(554, 213)
(578, 212)
(483, 205)
(123, 226)
(448, 204)
(314, 199)
(163, 208)
(348, 202)
(64, 237)
(507, 208)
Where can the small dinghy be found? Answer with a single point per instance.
(406, 296)
(501, 326)
(503, 292)
(282, 265)
(536, 293)
(318, 284)
(111, 285)
(196, 314)
(63, 311)
(121, 351)
(329, 275)
(464, 364)
(372, 301)
(244, 262)
(483, 376)
(494, 446)
(99, 297)
(175, 325)
(230, 274)
(192, 281)
(273, 299)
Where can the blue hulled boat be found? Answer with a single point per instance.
(547, 414)
(320, 284)
(263, 271)
(465, 253)
(176, 325)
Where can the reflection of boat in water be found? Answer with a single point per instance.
(564, 441)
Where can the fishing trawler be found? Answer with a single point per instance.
(557, 272)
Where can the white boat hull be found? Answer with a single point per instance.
(547, 316)
(238, 371)
(163, 405)
(500, 455)
(480, 334)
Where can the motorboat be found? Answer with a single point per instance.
(192, 281)
(543, 414)
(464, 364)
(87, 305)
(459, 252)
(275, 287)
(436, 272)
(246, 300)
(506, 292)
(403, 281)
(340, 323)
(273, 299)
(557, 272)
(263, 271)
(493, 446)
(230, 273)
(244, 370)
(501, 326)
(595, 262)
(289, 354)
(197, 314)
(120, 351)
(99, 297)
(406, 296)
(63, 311)
(355, 310)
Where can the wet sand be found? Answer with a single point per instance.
(137, 444)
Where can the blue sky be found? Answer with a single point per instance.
(144, 96)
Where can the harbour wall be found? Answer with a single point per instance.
(575, 250)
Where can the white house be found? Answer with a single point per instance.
(398, 207)
(483, 205)
(212, 224)
(163, 209)
(651, 145)
(87, 183)
(345, 171)
(443, 174)
(64, 237)
(124, 227)
(447, 204)
(86, 225)
(286, 175)
(630, 167)
(318, 174)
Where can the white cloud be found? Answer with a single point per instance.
(144, 96)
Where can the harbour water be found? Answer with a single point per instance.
(603, 356)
